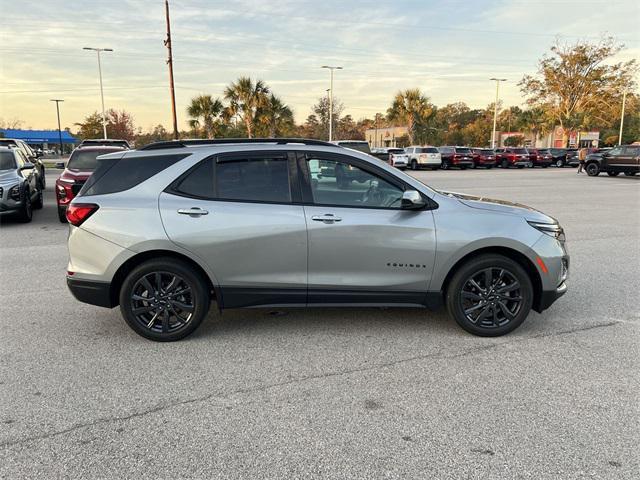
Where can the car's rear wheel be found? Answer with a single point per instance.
(592, 169)
(559, 163)
(613, 174)
(490, 295)
(62, 215)
(630, 174)
(39, 202)
(164, 299)
(444, 166)
(414, 165)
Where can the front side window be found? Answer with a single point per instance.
(615, 151)
(343, 184)
(253, 179)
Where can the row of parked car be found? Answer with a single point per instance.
(417, 157)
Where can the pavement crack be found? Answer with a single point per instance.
(337, 373)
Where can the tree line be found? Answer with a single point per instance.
(577, 87)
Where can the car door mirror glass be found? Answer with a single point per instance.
(412, 200)
(27, 166)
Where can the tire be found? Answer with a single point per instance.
(25, 215)
(445, 166)
(489, 167)
(545, 166)
(472, 166)
(520, 166)
(39, 202)
(414, 165)
(62, 215)
(460, 296)
(504, 163)
(559, 163)
(43, 181)
(629, 174)
(186, 320)
(592, 169)
(613, 174)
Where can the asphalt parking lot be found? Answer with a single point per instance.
(334, 393)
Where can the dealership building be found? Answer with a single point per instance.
(44, 139)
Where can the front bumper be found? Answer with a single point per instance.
(91, 292)
(548, 297)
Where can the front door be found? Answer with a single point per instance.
(236, 213)
(363, 247)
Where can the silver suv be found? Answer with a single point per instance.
(164, 230)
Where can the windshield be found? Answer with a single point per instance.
(395, 150)
(7, 162)
(486, 151)
(86, 160)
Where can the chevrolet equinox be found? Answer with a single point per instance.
(165, 230)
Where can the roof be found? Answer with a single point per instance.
(37, 136)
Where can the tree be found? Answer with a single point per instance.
(205, 111)
(535, 121)
(275, 118)
(514, 141)
(245, 99)
(157, 134)
(11, 124)
(321, 110)
(119, 125)
(410, 107)
(576, 88)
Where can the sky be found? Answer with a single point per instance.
(449, 49)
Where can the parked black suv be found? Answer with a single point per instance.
(564, 156)
(624, 158)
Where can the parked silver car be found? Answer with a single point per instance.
(20, 186)
(165, 230)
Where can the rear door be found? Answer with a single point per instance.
(238, 214)
(628, 160)
(363, 248)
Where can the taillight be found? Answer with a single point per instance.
(78, 213)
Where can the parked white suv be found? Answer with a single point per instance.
(420, 157)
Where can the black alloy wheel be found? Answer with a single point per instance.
(629, 174)
(490, 295)
(559, 163)
(592, 169)
(164, 300)
(613, 174)
(25, 214)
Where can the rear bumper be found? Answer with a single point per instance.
(548, 297)
(91, 292)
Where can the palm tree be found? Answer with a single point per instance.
(208, 109)
(410, 107)
(245, 99)
(275, 116)
(534, 121)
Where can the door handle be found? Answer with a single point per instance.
(193, 211)
(327, 218)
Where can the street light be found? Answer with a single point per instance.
(331, 69)
(624, 99)
(57, 100)
(495, 110)
(98, 50)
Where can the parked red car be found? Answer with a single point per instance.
(512, 157)
(540, 157)
(81, 164)
(484, 157)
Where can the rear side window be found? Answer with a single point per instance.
(253, 179)
(118, 175)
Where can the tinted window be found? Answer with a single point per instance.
(428, 150)
(7, 162)
(117, 175)
(463, 150)
(396, 150)
(253, 179)
(360, 146)
(487, 151)
(199, 182)
(86, 159)
(520, 151)
(350, 186)
(632, 150)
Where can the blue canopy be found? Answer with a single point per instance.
(37, 136)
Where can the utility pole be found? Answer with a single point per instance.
(57, 100)
(167, 44)
(495, 110)
(104, 119)
(331, 69)
(329, 103)
(624, 99)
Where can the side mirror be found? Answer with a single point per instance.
(28, 166)
(39, 154)
(412, 200)
(60, 165)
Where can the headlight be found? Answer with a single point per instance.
(14, 193)
(552, 229)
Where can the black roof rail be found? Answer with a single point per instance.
(229, 141)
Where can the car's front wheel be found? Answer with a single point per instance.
(164, 299)
(629, 174)
(25, 214)
(505, 164)
(490, 295)
(593, 169)
(613, 174)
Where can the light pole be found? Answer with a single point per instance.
(98, 50)
(624, 99)
(331, 69)
(57, 100)
(495, 110)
